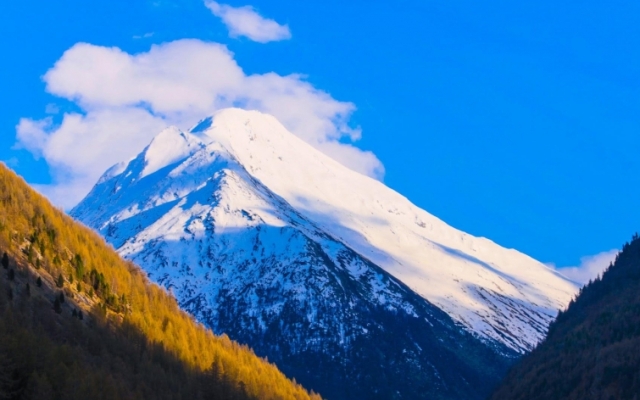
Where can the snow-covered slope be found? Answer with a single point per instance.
(259, 234)
(498, 293)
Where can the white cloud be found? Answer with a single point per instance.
(128, 98)
(176, 77)
(83, 146)
(245, 21)
(92, 141)
(590, 267)
(32, 135)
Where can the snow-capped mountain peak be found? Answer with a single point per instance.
(264, 237)
(477, 282)
(168, 147)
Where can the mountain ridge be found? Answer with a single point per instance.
(449, 243)
(260, 235)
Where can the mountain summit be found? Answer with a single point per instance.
(263, 237)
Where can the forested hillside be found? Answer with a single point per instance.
(591, 351)
(78, 322)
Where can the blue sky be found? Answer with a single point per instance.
(517, 122)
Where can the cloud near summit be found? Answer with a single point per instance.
(125, 99)
(245, 21)
(590, 267)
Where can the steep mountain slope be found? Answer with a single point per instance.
(263, 237)
(591, 351)
(78, 322)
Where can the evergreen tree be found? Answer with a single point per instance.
(28, 289)
(39, 282)
(80, 317)
(30, 254)
(56, 306)
(60, 281)
(79, 266)
(61, 297)
(9, 382)
(38, 387)
(591, 349)
(5, 260)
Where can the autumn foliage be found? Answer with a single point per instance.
(133, 342)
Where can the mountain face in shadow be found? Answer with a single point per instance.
(591, 351)
(79, 322)
(264, 238)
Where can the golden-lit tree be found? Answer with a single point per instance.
(134, 342)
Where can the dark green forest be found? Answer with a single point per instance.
(592, 350)
(78, 322)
